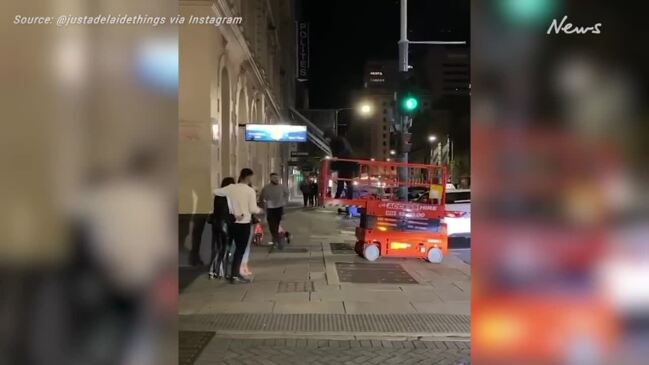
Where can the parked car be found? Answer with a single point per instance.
(458, 213)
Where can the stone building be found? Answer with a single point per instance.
(230, 75)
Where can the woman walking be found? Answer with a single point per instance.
(222, 219)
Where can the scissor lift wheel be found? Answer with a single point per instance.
(358, 248)
(371, 252)
(435, 255)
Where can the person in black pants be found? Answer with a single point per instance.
(305, 188)
(345, 171)
(340, 148)
(197, 222)
(243, 203)
(274, 217)
(275, 196)
(221, 222)
(313, 198)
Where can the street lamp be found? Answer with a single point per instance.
(393, 152)
(365, 109)
(431, 140)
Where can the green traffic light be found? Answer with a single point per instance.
(528, 12)
(410, 103)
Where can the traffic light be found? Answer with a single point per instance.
(528, 13)
(408, 103)
(408, 96)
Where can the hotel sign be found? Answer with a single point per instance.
(302, 35)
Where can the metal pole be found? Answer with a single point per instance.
(452, 157)
(404, 120)
(403, 41)
(336, 122)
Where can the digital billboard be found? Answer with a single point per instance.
(275, 133)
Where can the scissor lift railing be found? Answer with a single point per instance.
(379, 180)
(390, 225)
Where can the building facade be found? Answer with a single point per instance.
(380, 75)
(230, 75)
(448, 71)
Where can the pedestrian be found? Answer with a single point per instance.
(305, 188)
(313, 197)
(274, 196)
(245, 270)
(222, 219)
(243, 202)
(340, 148)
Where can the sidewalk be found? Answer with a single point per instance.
(334, 288)
(327, 352)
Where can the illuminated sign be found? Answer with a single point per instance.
(275, 133)
(302, 51)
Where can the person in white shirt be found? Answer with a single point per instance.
(243, 202)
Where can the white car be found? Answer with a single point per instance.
(458, 213)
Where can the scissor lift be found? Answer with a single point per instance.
(390, 224)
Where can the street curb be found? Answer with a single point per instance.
(330, 265)
(331, 325)
(346, 337)
(442, 336)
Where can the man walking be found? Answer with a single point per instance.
(313, 186)
(243, 202)
(305, 188)
(275, 196)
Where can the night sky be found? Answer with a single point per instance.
(346, 33)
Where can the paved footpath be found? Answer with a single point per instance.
(318, 292)
(347, 352)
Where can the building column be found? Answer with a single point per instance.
(197, 55)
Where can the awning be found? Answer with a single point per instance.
(315, 135)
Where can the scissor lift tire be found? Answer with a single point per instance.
(435, 255)
(371, 252)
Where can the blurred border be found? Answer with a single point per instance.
(89, 186)
(559, 142)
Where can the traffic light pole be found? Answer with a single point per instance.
(405, 121)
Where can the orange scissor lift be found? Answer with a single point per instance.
(390, 226)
